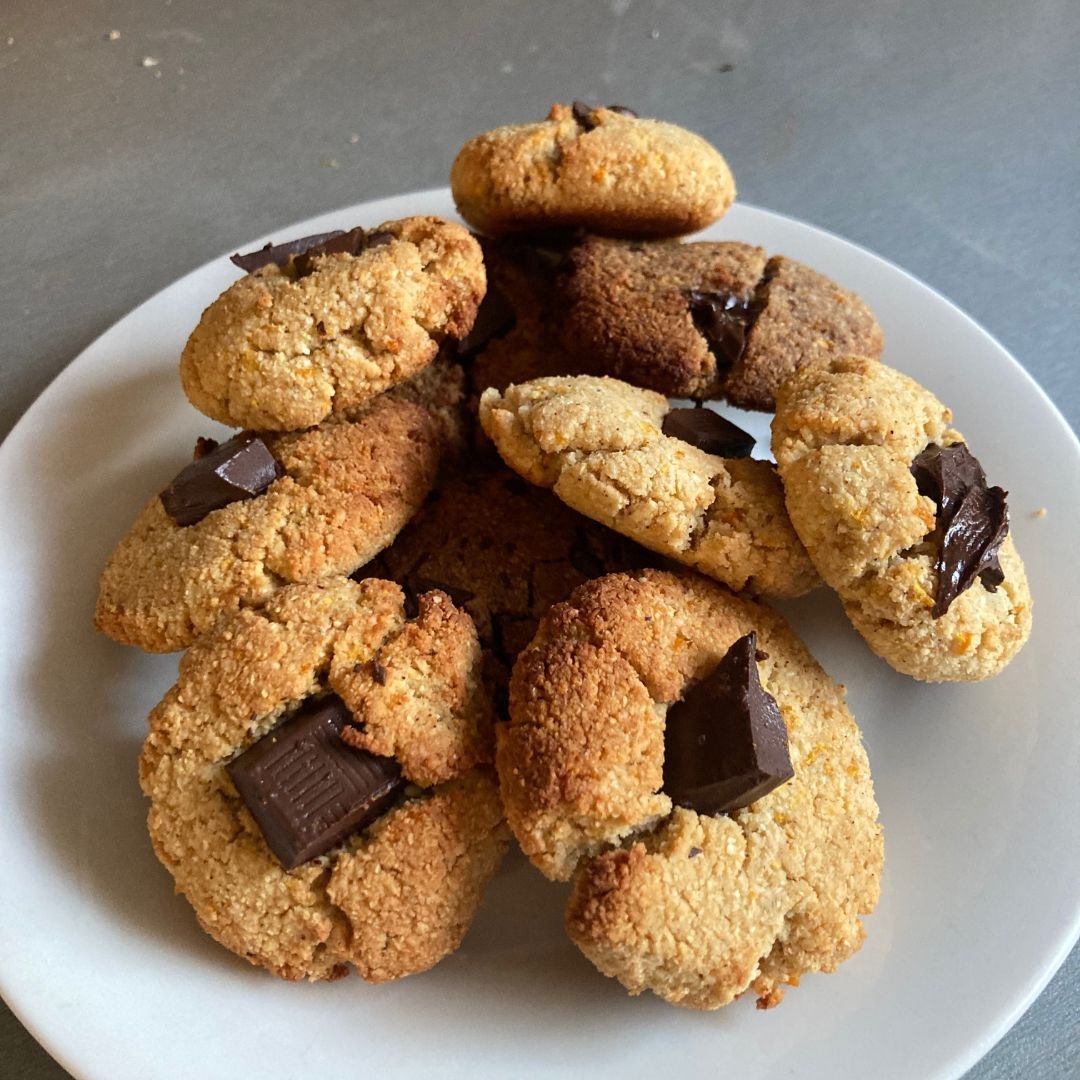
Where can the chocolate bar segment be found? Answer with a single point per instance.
(307, 789)
(725, 743)
(241, 468)
(709, 431)
(971, 524)
(280, 253)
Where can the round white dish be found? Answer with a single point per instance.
(977, 784)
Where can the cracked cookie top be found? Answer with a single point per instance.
(599, 444)
(846, 433)
(597, 169)
(280, 350)
(390, 900)
(696, 908)
(706, 319)
(347, 490)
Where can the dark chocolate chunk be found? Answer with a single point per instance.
(723, 319)
(347, 243)
(494, 319)
(307, 789)
(709, 431)
(378, 672)
(971, 524)
(280, 253)
(725, 743)
(583, 111)
(693, 853)
(203, 447)
(239, 469)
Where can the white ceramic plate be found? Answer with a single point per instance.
(977, 784)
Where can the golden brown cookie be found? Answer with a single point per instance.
(290, 345)
(698, 908)
(505, 552)
(846, 434)
(396, 896)
(600, 445)
(704, 320)
(601, 169)
(348, 488)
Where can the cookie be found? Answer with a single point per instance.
(698, 908)
(346, 490)
(846, 435)
(600, 445)
(601, 169)
(322, 334)
(505, 552)
(388, 900)
(706, 319)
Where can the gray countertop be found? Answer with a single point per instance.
(138, 140)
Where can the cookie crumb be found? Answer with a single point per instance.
(150, 61)
(113, 35)
(329, 163)
(1040, 513)
(354, 138)
(723, 69)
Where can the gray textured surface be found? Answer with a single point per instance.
(943, 137)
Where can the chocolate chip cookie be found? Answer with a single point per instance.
(318, 782)
(602, 446)
(314, 504)
(706, 319)
(899, 519)
(679, 887)
(601, 169)
(321, 331)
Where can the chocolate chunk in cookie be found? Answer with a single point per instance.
(705, 319)
(595, 168)
(307, 788)
(972, 521)
(221, 474)
(725, 745)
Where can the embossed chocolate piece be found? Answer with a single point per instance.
(307, 789)
(725, 743)
(241, 468)
(972, 521)
(709, 431)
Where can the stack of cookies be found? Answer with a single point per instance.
(466, 570)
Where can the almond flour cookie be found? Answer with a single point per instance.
(300, 843)
(336, 496)
(704, 320)
(504, 552)
(697, 907)
(601, 169)
(899, 520)
(323, 330)
(600, 444)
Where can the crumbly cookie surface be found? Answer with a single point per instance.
(845, 435)
(506, 552)
(697, 909)
(276, 352)
(348, 489)
(598, 444)
(628, 315)
(391, 900)
(619, 175)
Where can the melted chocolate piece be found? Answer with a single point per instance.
(583, 111)
(724, 320)
(971, 524)
(239, 469)
(495, 318)
(709, 431)
(300, 254)
(725, 743)
(307, 789)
